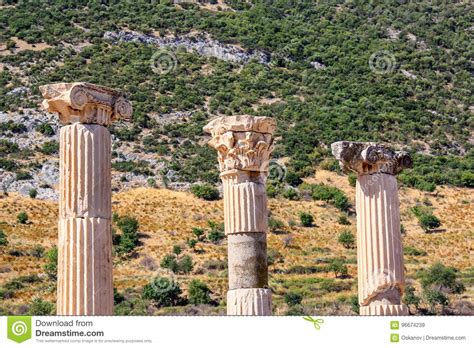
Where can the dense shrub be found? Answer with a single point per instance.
(343, 220)
(205, 191)
(45, 129)
(33, 193)
(293, 299)
(41, 307)
(347, 239)
(293, 179)
(291, 194)
(306, 219)
(163, 292)
(126, 242)
(3, 238)
(22, 175)
(185, 264)
(426, 218)
(22, 217)
(408, 250)
(51, 267)
(137, 168)
(216, 234)
(330, 194)
(275, 225)
(339, 268)
(198, 232)
(199, 293)
(410, 298)
(50, 147)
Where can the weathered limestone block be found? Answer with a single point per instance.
(249, 302)
(247, 260)
(369, 158)
(85, 241)
(379, 248)
(82, 102)
(244, 145)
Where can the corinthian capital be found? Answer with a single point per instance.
(242, 142)
(85, 103)
(370, 158)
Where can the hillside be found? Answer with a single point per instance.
(167, 217)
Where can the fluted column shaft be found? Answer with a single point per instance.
(379, 248)
(244, 144)
(380, 268)
(246, 223)
(85, 243)
(85, 282)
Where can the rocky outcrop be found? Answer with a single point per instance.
(201, 44)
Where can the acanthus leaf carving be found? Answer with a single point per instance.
(238, 145)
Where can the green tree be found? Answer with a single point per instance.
(410, 298)
(306, 219)
(163, 292)
(293, 299)
(275, 225)
(192, 243)
(33, 193)
(3, 238)
(347, 239)
(41, 307)
(198, 232)
(185, 265)
(339, 268)
(22, 217)
(128, 240)
(51, 267)
(170, 262)
(50, 147)
(177, 250)
(199, 293)
(216, 234)
(354, 302)
(205, 191)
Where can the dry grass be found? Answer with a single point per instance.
(167, 217)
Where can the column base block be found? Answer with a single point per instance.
(256, 301)
(382, 309)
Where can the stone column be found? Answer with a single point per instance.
(244, 144)
(85, 242)
(379, 247)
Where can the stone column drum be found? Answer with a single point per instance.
(379, 248)
(244, 145)
(85, 241)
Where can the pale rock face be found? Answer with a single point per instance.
(379, 247)
(244, 144)
(85, 241)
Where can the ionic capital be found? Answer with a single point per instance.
(82, 102)
(242, 142)
(370, 158)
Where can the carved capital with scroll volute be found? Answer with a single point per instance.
(243, 142)
(370, 158)
(82, 102)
